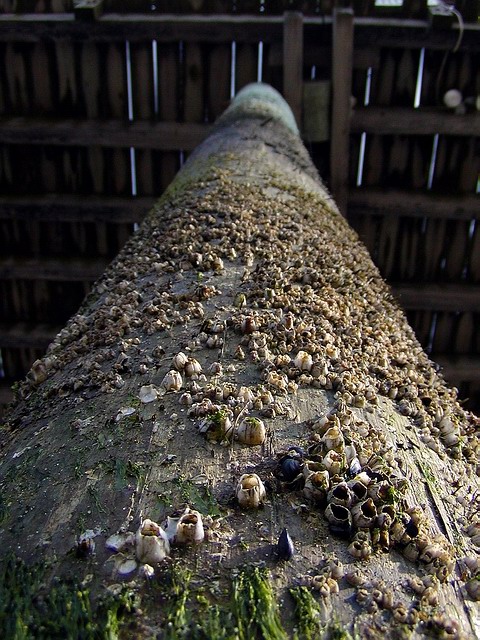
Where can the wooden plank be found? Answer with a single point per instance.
(438, 297)
(459, 368)
(219, 78)
(395, 202)
(369, 31)
(64, 270)
(293, 62)
(27, 335)
(109, 133)
(414, 121)
(194, 83)
(457, 165)
(112, 27)
(342, 57)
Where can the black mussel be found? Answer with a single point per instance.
(290, 468)
(411, 528)
(285, 548)
(355, 467)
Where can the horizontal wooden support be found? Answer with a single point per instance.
(462, 368)
(75, 208)
(164, 136)
(217, 28)
(60, 270)
(401, 121)
(27, 335)
(111, 27)
(396, 203)
(438, 297)
(170, 136)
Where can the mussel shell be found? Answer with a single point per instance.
(290, 468)
(285, 547)
(355, 467)
(410, 527)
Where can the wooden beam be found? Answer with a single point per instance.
(342, 59)
(398, 121)
(63, 270)
(112, 27)
(438, 297)
(165, 136)
(24, 335)
(75, 208)
(370, 32)
(396, 203)
(462, 368)
(293, 63)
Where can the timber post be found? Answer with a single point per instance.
(239, 430)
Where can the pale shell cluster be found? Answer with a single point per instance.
(151, 543)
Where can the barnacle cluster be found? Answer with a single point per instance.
(365, 503)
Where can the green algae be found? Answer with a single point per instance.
(255, 606)
(29, 609)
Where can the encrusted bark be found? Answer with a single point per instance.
(246, 267)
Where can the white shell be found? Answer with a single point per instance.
(126, 566)
(172, 381)
(452, 98)
(251, 431)
(124, 412)
(250, 491)
(151, 543)
(146, 571)
(147, 393)
(119, 541)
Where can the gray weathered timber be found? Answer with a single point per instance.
(247, 268)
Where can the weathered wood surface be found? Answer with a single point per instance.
(113, 133)
(247, 267)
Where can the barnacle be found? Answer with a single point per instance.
(250, 491)
(189, 528)
(251, 431)
(333, 439)
(364, 514)
(151, 543)
(172, 381)
(316, 486)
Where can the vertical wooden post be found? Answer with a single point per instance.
(293, 62)
(342, 56)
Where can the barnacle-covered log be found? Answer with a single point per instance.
(240, 428)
